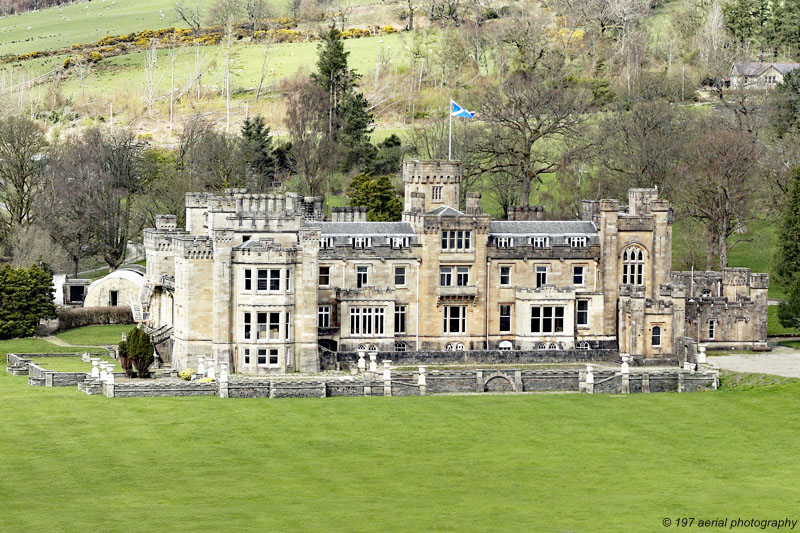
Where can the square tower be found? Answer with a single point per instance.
(438, 181)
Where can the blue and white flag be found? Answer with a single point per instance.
(458, 111)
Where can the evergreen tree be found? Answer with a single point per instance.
(26, 297)
(787, 259)
(333, 74)
(389, 157)
(139, 350)
(787, 104)
(258, 152)
(377, 195)
(789, 310)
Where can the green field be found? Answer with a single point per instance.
(95, 335)
(68, 364)
(73, 462)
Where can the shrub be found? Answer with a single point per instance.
(90, 316)
(204, 380)
(139, 350)
(187, 374)
(26, 297)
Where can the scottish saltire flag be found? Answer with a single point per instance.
(458, 111)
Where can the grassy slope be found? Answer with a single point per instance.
(95, 335)
(68, 364)
(546, 462)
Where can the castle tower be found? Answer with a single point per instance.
(438, 181)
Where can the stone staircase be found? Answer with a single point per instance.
(91, 386)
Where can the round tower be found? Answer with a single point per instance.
(438, 181)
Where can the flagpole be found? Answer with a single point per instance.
(450, 135)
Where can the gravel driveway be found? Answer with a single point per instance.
(781, 361)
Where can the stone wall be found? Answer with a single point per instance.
(149, 388)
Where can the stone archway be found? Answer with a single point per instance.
(498, 383)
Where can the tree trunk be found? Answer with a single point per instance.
(710, 245)
(525, 192)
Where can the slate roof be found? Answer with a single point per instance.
(446, 211)
(542, 227)
(351, 229)
(755, 68)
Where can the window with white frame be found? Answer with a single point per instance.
(399, 318)
(456, 240)
(462, 276)
(505, 275)
(362, 276)
(436, 192)
(267, 357)
(445, 276)
(505, 318)
(248, 325)
(246, 357)
(655, 337)
(400, 242)
(400, 276)
(361, 242)
(712, 329)
(248, 279)
(541, 276)
(577, 242)
(547, 319)
(287, 334)
(327, 243)
(505, 346)
(324, 316)
(504, 242)
(583, 345)
(582, 313)
(324, 275)
(367, 321)
(262, 357)
(288, 285)
(455, 319)
(633, 266)
(578, 274)
(268, 325)
(400, 346)
(269, 280)
(540, 242)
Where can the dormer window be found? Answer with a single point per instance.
(400, 242)
(504, 242)
(361, 242)
(577, 242)
(326, 243)
(540, 242)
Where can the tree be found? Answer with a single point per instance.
(257, 152)
(789, 309)
(225, 12)
(26, 297)
(139, 351)
(190, 15)
(526, 115)
(787, 257)
(377, 195)
(22, 158)
(786, 105)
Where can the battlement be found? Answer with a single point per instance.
(632, 291)
(640, 200)
(166, 222)
(432, 171)
(526, 212)
(545, 292)
(349, 214)
(193, 247)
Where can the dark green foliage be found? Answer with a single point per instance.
(333, 73)
(389, 156)
(257, 152)
(789, 310)
(787, 256)
(377, 195)
(124, 359)
(354, 133)
(90, 316)
(139, 351)
(769, 24)
(26, 297)
(787, 104)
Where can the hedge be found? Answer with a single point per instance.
(90, 316)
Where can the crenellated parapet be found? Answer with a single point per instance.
(193, 247)
(428, 172)
(349, 214)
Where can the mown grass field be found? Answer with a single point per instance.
(68, 364)
(95, 335)
(72, 462)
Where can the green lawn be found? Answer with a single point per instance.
(460, 463)
(68, 364)
(95, 335)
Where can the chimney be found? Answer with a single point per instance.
(474, 203)
(417, 203)
(528, 212)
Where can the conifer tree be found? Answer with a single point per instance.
(787, 259)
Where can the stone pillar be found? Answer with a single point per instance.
(95, 368)
(362, 364)
(110, 378)
(108, 390)
(223, 380)
(212, 371)
(201, 367)
(373, 361)
(702, 359)
(680, 381)
(626, 377)
(421, 382)
(645, 382)
(589, 379)
(517, 380)
(387, 378)
(103, 374)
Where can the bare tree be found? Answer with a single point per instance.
(189, 14)
(225, 12)
(22, 157)
(526, 115)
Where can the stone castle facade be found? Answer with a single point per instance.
(263, 282)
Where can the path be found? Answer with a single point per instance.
(52, 339)
(781, 361)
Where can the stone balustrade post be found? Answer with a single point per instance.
(421, 381)
(362, 364)
(211, 371)
(103, 373)
(626, 376)
(222, 387)
(201, 367)
(701, 355)
(110, 377)
(387, 377)
(589, 379)
(95, 368)
(373, 361)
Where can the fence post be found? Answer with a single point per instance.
(589, 379)
(645, 382)
(387, 378)
(223, 380)
(626, 376)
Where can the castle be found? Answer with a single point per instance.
(264, 283)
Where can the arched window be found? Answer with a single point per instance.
(655, 336)
(541, 346)
(583, 345)
(361, 348)
(633, 266)
(400, 346)
(706, 294)
(553, 346)
(505, 346)
(449, 347)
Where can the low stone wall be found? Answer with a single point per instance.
(21, 364)
(347, 360)
(151, 388)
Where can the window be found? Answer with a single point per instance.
(712, 329)
(262, 357)
(288, 333)
(248, 279)
(361, 242)
(437, 193)
(577, 242)
(400, 346)
(540, 242)
(505, 275)
(504, 242)
(327, 243)
(505, 318)
(455, 319)
(462, 276)
(400, 242)
(113, 298)
(541, 346)
(577, 275)
(706, 294)
(541, 276)
(583, 345)
(400, 276)
(655, 336)
(505, 346)
(324, 316)
(362, 276)
(366, 321)
(552, 346)
(456, 240)
(445, 276)
(269, 280)
(582, 315)
(324, 276)
(273, 357)
(547, 319)
(246, 238)
(247, 357)
(247, 325)
(633, 266)
(288, 280)
(399, 318)
(770, 79)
